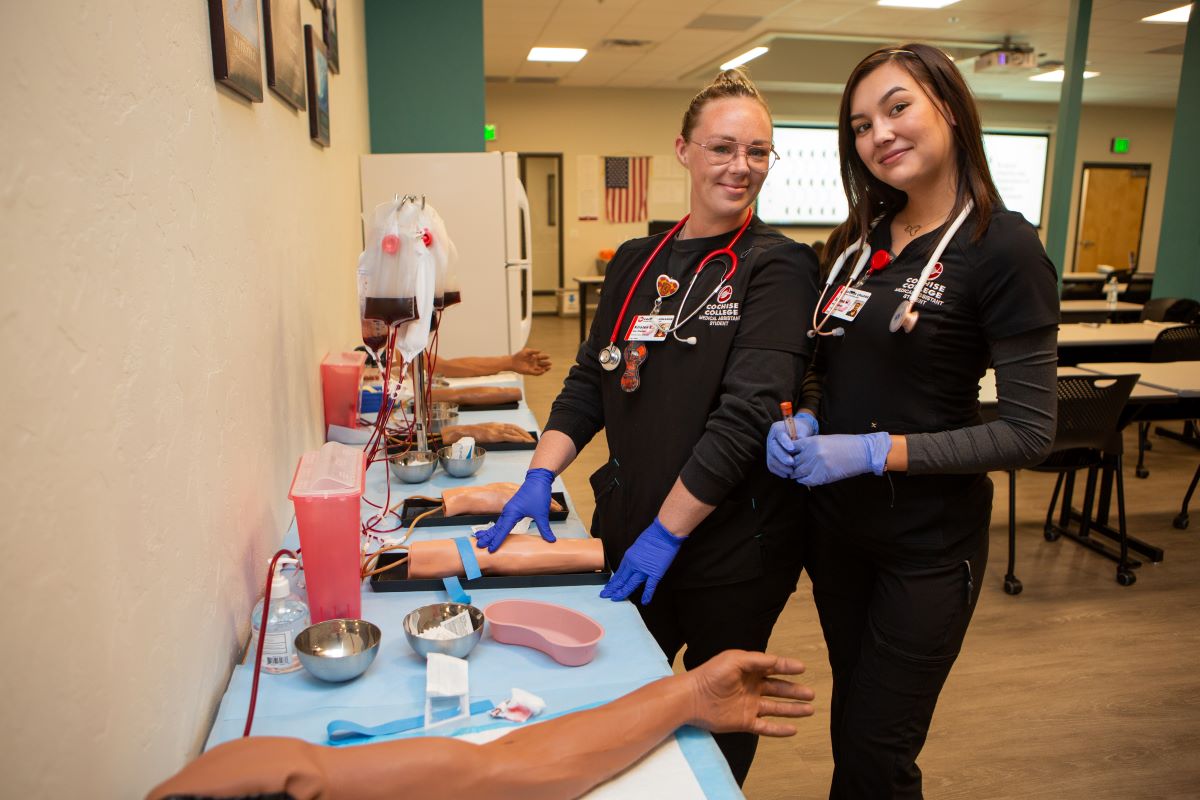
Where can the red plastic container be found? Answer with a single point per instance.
(341, 378)
(326, 491)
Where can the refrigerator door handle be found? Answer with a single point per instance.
(526, 225)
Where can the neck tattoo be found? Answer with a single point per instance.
(911, 230)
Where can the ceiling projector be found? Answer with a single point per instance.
(1006, 59)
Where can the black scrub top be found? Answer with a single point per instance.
(928, 380)
(702, 411)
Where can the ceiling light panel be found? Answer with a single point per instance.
(917, 3)
(1057, 75)
(568, 55)
(1175, 15)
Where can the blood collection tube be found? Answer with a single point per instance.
(788, 420)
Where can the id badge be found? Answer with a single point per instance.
(650, 327)
(847, 304)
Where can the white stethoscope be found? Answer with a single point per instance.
(610, 357)
(906, 314)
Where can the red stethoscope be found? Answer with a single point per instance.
(610, 357)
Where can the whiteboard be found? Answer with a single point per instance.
(805, 186)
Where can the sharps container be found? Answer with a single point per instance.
(341, 376)
(325, 492)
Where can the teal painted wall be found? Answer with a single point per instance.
(425, 76)
(1177, 268)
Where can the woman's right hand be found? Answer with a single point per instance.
(781, 447)
(531, 500)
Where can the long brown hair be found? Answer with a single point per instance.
(730, 83)
(870, 197)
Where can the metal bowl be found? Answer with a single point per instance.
(462, 467)
(415, 466)
(427, 617)
(338, 649)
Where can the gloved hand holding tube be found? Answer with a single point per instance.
(646, 561)
(781, 443)
(531, 500)
(825, 459)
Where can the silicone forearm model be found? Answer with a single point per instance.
(478, 395)
(522, 554)
(486, 433)
(486, 499)
(562, 757)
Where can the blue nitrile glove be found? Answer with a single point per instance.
(825, 459)
(646, 560)
(531, 500)
(781, 446)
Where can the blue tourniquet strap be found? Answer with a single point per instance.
(455, 590)
(466, 552)
(342, 730)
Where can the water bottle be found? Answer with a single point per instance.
(287, 616)
(1110, 292)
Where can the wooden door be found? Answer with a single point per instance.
(1112, 207)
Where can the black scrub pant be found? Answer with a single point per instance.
(894, 619)
(710, 620)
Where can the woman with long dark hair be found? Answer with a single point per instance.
(930, 281)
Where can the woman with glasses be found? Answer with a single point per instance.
(950, 283)
(698, 338)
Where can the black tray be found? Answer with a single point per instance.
(397, 580)
(510, 406)
(504, 447)
(414, 506)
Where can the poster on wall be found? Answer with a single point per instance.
(285, 50)
(317, 62)
(236, 58)
(329, 33)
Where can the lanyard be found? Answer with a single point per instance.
(727, 250)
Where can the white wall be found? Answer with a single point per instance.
(577, 121)
(175, 261)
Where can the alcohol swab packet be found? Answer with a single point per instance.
(457, 626)
(445, 676)
(463, 448)
(521, 527)
(520, 707)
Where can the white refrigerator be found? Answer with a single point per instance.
(483, 203)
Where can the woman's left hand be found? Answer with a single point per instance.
(825, 459)
(646, 561)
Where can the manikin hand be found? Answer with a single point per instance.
(733, 692)
(646, 561)
(824, 459)
(528, 361)
(531, 500)
(781, 447)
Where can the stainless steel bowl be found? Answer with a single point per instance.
(338, 649)
(427, 617)
(415, 466)
(462, 467)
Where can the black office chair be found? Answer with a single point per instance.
(1088, 437)
(1181, 343)
(1139, 289)
(1170, 309)
(1181, 519)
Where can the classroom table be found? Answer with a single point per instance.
(297, 704)
(586, 282)
(1099, 311)
(1095, 342)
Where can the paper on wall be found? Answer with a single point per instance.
(587, 178)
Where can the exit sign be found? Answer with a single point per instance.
(1120, 145)
(489, 132)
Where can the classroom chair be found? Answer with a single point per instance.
(1088, 437)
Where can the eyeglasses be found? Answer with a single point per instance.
(759, 157)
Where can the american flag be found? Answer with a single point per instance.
(625, 181)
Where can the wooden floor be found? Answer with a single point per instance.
(1077, 688)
